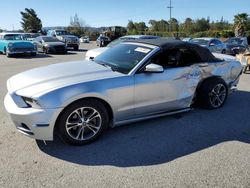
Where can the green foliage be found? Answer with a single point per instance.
(241, 23)
(136, 27)
(30, 21)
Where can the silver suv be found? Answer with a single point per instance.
(64, 36)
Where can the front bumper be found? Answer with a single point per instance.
(21, 52)
(34, 123)
(72, 44)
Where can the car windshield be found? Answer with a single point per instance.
(234, 41)
(50, 39)
(59, 33)
(123, 58)
(118, 41)
(200, 41)
(27, 36)
(13, 37)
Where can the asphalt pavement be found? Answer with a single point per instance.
(201, 148)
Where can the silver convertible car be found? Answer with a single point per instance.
(135, 80)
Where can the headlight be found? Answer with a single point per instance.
(31, 102)
(10, 44)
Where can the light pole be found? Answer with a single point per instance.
(170, 7)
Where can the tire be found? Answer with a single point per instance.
(84, 118)
(7, 54)
(245, 69)
(45, 51)
(76, 48)
(213, 93)
(33, 54)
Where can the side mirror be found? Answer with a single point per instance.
(154, 68)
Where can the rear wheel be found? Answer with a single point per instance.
(83, 122)
(213, 93)
(245, 69)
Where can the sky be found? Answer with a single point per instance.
(97, 13)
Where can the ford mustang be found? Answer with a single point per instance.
(135, 80)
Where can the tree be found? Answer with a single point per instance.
(30, 21)
(202, 25)
(131, 25)
(141, 26)
(188, 26)
(77, 26)
(174, 25)
(240, 23)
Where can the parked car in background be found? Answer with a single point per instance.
(187, 39)
(236, 45)
(84, 39)
(91, 54)
(135, 80)
(47, 44)
(30, 36)
(102, 41)
(71, 41)
(213, 44)
(14, 43)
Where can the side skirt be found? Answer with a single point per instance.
(151, 116)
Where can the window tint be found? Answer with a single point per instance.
(176, 58)
(124, 57)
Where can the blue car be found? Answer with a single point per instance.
(13, 43)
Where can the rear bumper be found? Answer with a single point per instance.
(34, 123)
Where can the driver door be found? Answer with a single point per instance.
(170, 90)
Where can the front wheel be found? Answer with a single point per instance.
(213, 93)
(83, 122)
(76, 48)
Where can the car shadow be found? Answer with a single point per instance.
(82, 50)
(162, 140)
(22, 56)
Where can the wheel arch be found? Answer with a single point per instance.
(202, 82)
(105, 103)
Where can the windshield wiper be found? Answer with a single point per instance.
(108, 66)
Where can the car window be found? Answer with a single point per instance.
(216, 42)
(12, 37)
(200, 41)
(176, 58)
(123, 57)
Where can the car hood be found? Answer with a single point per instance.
(48, 78)
(54, 43)
(95, 52)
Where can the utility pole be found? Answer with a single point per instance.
(170, 16)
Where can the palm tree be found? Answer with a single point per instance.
(240, 22)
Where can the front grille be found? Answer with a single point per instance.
(59, 48)
(22, 49)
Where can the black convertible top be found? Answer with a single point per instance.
(166, 44)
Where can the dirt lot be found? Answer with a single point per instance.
(197, 149)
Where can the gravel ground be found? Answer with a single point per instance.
(200, 148)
